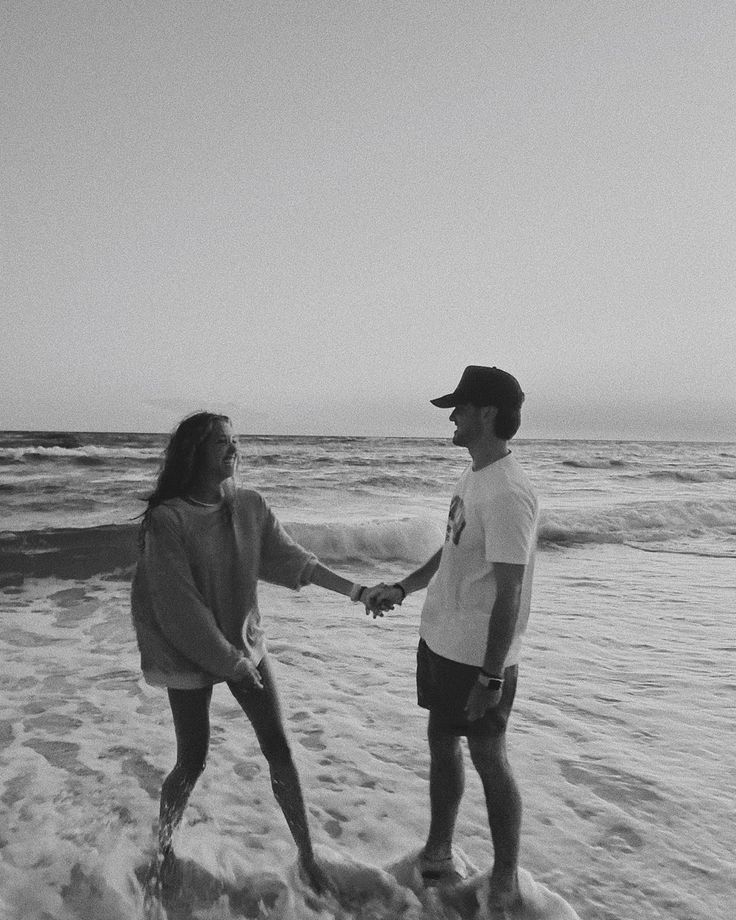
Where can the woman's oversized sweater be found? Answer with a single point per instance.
(194, 595)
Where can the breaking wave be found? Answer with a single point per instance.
(81, 552)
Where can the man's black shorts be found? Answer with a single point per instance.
(443, 687)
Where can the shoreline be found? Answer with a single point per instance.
(616, 793)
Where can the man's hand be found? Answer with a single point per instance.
(481, 699)
(380, 598)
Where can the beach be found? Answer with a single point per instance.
(621, 736)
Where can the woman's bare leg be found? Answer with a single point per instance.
(264, 711)
(190, 709)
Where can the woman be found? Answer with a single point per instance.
(204, 545)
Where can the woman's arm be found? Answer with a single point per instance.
(326, 578)
(285, 562)
(331, 581)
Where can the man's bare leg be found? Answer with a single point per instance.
(503, 803)
(446, 787)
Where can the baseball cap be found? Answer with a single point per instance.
(484, 386)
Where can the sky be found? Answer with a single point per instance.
(313, 215)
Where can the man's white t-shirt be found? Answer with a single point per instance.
(493, 518)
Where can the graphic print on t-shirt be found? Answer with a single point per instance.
(456, 520)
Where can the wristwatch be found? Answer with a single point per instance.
(489, 681)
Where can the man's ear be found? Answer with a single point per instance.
(488, 414)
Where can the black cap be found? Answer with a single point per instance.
(484, 386)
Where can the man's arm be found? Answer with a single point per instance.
(388, 596)
(501, 628)
(509, 578)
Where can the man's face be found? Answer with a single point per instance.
(468, 424)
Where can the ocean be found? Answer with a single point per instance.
(621, 737)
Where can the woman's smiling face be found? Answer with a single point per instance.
(219, 458)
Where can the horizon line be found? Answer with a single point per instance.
(367, 437)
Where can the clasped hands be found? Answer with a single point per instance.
(380, 598)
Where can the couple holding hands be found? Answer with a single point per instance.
(205, 544)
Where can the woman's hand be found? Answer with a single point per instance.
(248, 674)
(381, 598)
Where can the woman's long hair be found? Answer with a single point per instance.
(181, 463)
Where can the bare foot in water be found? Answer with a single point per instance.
(504, 898)
(162, 877)
(314, 876)
(170, 871)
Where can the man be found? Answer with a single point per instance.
(474, 616)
